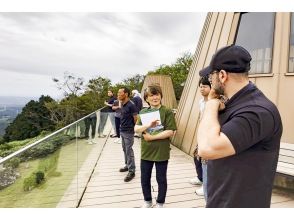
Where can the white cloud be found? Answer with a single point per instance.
(35, 47)
(27, 85)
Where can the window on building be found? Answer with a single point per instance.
(255, 33)
(291, 52)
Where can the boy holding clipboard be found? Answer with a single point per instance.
(157, 124)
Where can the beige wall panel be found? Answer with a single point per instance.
(285, 101)
(224, 38)
(193, 132)
(190, 131)
(188, 101)
(284, 50)
(286, 107)
(268, 85)
(213, 46)
(194, 142)
(277, 45)
(234, 26)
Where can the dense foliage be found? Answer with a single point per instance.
(178, 72)
(33, 119)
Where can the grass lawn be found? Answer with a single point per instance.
(51, 191)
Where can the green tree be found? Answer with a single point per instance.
(76, 104)
(67, 110)
(178, 72)
(70, 85)
(134, 82)
(97, 89)
(33, 119)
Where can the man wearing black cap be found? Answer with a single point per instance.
(241, 137)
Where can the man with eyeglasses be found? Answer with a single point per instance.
(239, 137)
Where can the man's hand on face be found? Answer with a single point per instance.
(213, 95)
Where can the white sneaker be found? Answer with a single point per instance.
(195, 181)
(200, 191)
(91, 141)
(159, 205)
(118, 141)
(147, 204)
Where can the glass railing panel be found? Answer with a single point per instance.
(54, 171)
(43, 175)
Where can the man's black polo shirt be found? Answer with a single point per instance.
(253, 125)
(128, 110)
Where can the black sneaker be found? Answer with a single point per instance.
(123, 169)
(129, 176)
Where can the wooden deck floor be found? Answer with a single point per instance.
(106, 188)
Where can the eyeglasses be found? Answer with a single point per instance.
(210, 75)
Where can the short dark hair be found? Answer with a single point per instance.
(204, 81)
(152, 89)
(126, 90)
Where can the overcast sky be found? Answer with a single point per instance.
(35, 47)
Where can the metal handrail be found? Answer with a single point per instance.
(43, 139)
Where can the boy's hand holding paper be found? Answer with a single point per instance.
(154, 123)
(152, 120)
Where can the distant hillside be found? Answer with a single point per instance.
(3, 124)
(7, 115)
(9, 101)
(10, 107)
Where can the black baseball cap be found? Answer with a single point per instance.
(205, 71)
(233, 58)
